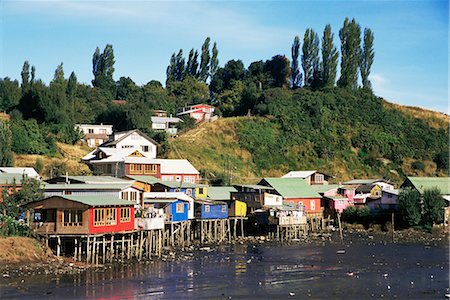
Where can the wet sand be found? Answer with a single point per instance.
(359, 269)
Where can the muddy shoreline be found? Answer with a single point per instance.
(23, 271)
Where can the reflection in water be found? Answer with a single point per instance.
(259, 272)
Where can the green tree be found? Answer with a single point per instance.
(6, 156)
(126, 89)
(170, 71)
(180, 66)
(350, 35)
(329, 58)
(25, 77)
(366, 58)
(71, 86)
(214, 61)
(9, 94)
(279, 70)
(310, 56)
(409, 205)
(192, 63)
(433, 207)
(103, 69)
(296, 76)
(205, 60)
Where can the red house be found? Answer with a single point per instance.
(200, 112)
(79, 215)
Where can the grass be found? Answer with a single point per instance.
(22, 249)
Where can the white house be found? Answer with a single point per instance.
(95, 135)
(135, 139)
(167, 124)
(312, 177)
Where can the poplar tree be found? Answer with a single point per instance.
(350, 35)
(329, 58)
(170, 71)
(71, 85)
(205, 60)
(103, 69)
(296, 76)
(25, 77)
(180, 66)
(310, 55)
(366, 58)
(192, 64)
(214, 61)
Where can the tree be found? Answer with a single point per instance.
(126, 88)
(9, 94)
(329, 58)
(192, 63)
(179, 71)
(103, 69)
(310, 56)
(214, 61)
(59, 74)
(25, 77)
(6, 156)
(205, 60)
(433, 207)
(296, 76)
(279, 69)
(366, 58)
(170, 71)
(71, 86)
(409, 205)
(350, 35)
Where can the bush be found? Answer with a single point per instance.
(433, 207)
(418, 165)
(409, 205)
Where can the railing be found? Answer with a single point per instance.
(44, 227)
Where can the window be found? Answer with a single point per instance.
(189, 191)
(109, 169)
(67, 192)
(90, 130)
(99, 217)
(177, 178)
(200, 190)
(125, 215)
(319, 178)
(127, 146)
(133, 196)
(110, 216)
(180, 208)
(135, 168)
(190, 179)
(150, 169)
(224, 208)
(124, 195)
(312, 204)
(72, 218)
(207, 208)
(144, 148)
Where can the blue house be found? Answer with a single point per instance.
(208, 209)
(175, 210)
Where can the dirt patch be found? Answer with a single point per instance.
(22, 250)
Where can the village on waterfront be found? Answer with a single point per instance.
(138, 204)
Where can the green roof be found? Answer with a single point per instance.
(424, 183)
(323, 188)
(98, 200)
(177, 184)
(8, 178)
(86, 186)
(89, 179)
(145, 179)
(291, 187)
(220, 192)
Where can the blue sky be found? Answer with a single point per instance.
(411, 37)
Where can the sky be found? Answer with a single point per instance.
(411, 65)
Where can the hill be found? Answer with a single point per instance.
(343, 134)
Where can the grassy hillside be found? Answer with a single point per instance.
(345, 135)
(68, 159)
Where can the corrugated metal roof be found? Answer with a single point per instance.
(291, 187)
(324, 188)
(10, 178)
(220, 192)
(91, 179)
(165, 120)
(97, 200)
(255, 186)
(299, 174)
(177, 184)
(85, 186)
(30, 172)
(423, 183)
(124, 134)
(364, 181)
(144, 178)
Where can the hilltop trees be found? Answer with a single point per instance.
(310, 57)
(103, 69)
(350, 35)
(366, 59)
(329, 58)
(296, 76)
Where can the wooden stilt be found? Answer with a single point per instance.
(104, 250)
(111, 253)
(88, 250)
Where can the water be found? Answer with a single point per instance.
(364, 271)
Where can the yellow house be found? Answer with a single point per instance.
(223, 193)
(143, 182)
(376, 191)
(201, 191)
